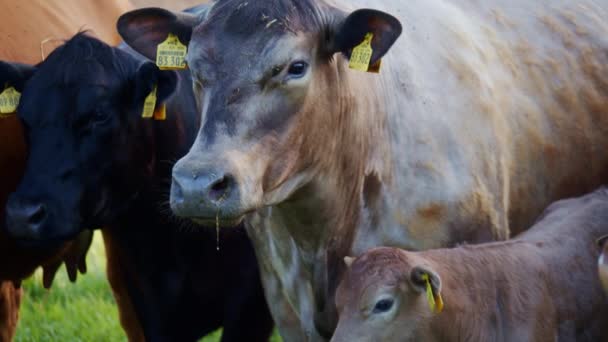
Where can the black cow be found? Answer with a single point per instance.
(94, 161)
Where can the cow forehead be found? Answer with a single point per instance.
(66, 103)
(215, 58)
(83, 60)
(248, 30)
(381, 265)
(74, 78)
(246, 17)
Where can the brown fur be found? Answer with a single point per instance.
(540, 286)
(176, 5)
(10, 299)
(117, 278)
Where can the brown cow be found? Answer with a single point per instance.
(540, 286)
(28, 31)
(484, 112)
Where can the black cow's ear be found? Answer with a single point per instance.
(351, 31)
(148, 76)
(145, 28)
(15, 75)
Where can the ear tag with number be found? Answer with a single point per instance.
(149, 104)
(171, 54)
(435, 301)
(9, 100)
(361, 56)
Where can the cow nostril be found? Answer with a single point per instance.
(38, 215)
(177, 193)
(220, 188)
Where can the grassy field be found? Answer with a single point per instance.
(84, 311)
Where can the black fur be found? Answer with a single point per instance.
(94, 162)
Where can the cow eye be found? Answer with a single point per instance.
(383, 306)
(101, 115)
(297, 69)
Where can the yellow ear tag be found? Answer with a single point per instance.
(9, 100)
(160, 113)
(149, 104)
(435, 301)
(171, 54)
(362, 56)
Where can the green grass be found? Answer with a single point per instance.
(84, 311)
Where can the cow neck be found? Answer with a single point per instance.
(489, 266)
(346, 151)
(365, 166)
(326, 213)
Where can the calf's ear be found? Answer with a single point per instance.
(149, 75)
(15, 75)
(351, 31)
(426, 280)
(145, 28)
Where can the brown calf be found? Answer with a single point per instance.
(541, 286)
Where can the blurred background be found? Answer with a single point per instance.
(176, 5)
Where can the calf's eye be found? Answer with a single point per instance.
(383, 305)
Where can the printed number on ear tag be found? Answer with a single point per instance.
(9, 100)
(171, 54)
(149, 104)
(362, 55)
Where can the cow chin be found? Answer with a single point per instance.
(220, 223)
(35, 217)
(50, 233)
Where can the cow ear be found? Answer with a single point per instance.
(426, 280)
(15, 75)
(145, 28)
(351, 32)
(148, 76)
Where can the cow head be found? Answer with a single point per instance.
(268, 79)
(383, 297)
(82, 110)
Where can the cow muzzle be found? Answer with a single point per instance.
(26, 220)
(206, 195)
